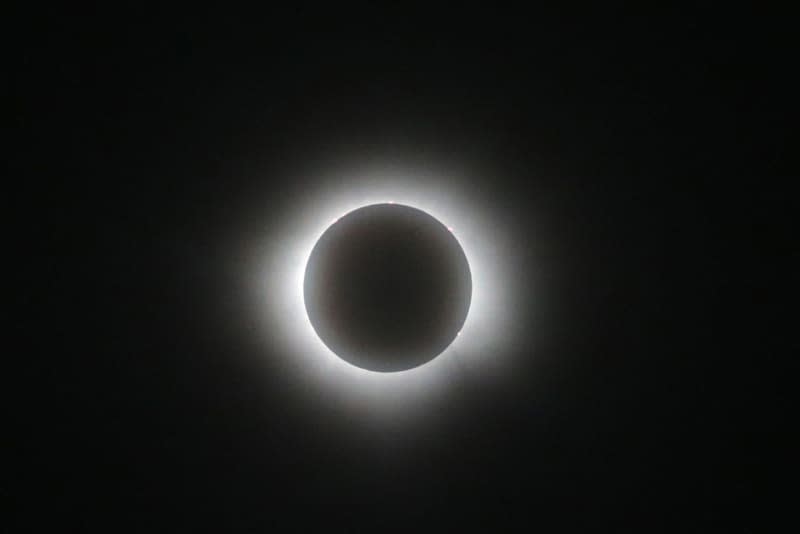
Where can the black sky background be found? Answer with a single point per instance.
(637, 155)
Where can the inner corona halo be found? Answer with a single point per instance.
(387, 287)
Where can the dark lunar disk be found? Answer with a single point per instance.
(387, 287)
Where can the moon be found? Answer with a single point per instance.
(387, 287)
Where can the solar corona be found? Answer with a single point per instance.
(330, 335)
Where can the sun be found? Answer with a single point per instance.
(478, 347)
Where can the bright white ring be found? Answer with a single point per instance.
(479, 346)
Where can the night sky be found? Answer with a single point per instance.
(631, 163)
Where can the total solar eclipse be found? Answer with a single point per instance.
(387, 287)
